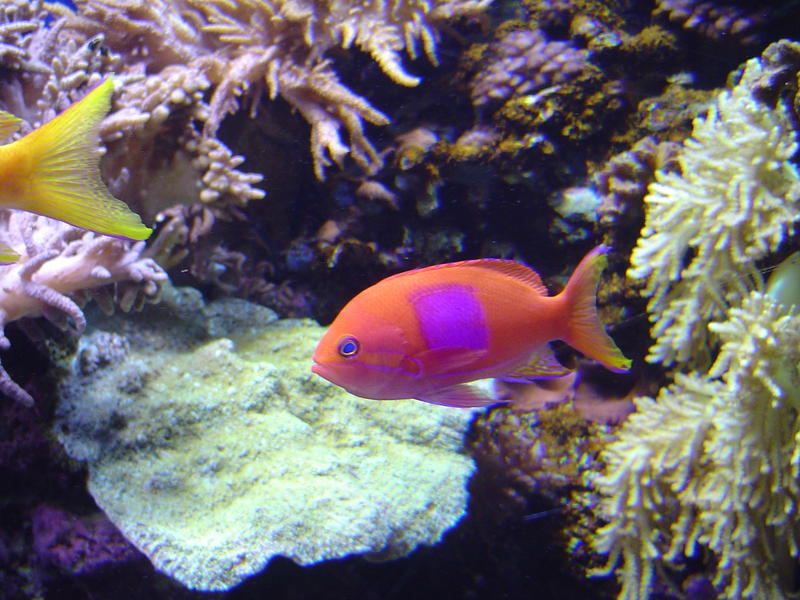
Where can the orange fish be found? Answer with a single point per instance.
(53, 171)
(428, 333)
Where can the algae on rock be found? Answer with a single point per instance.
(212, 454)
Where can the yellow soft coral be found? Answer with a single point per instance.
(713, 464)
(709, 469)
(734, 201)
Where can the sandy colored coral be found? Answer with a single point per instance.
(245, 48)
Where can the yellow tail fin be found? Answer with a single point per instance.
(55, 171)
(585, 332)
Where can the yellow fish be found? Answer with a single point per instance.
(54, 171)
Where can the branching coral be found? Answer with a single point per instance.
(244, 47)
(734, 201)
(18, 18)
(59, 262)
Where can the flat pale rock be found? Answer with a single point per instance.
(214, 454)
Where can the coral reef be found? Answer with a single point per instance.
(215, 454)
(529, 129)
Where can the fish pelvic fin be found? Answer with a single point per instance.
(55, 172)
(585, 332)
(461, 395)
(542, 364)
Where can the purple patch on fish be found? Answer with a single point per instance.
(451, 317)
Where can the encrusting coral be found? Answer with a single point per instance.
(708, 471)
(245, 47)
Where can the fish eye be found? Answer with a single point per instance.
(348, 347)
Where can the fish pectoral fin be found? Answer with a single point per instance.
(446, 360)
(542, 365)
(461, 396)
(8, 124)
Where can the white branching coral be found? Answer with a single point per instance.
(19, 18)
(59, 266)
(713, 464)
(244, 47)
(735, 199)
(158, 152)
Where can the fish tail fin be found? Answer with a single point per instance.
(59, 176)
(585, 332)
(7, 254)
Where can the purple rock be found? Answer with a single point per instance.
(79, 544)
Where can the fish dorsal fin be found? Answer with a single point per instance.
(8, 124)
(510, 268)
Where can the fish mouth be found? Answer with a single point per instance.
(321, 370)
